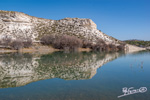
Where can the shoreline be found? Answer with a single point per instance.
(133, 48)
(39, 49)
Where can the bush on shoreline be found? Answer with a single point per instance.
(65, 42)
(17, 44)
(6, 41)
(99, 46)
(47, 39)
(72, 43)
(86, 44)
(27, 43)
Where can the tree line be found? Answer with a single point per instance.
(62, 42)
(139, 43)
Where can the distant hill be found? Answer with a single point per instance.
(139, 43)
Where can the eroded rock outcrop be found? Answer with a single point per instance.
(20, 25)
(133, 48)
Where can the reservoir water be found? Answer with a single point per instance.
(75, 76)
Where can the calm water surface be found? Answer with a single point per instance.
(74, 76)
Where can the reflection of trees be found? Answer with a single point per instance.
(72, 66)
(20, 69)
(66, 66)
(17, 58)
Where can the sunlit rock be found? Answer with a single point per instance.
(20, 25)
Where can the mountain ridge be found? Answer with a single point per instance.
(20, 25)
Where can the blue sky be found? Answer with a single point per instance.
(122, 19)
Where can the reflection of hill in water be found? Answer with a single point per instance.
(21, 69)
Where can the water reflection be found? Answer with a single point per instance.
(20, 69)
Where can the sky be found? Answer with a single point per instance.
(122, 19)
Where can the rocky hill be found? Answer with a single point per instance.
(20, 25)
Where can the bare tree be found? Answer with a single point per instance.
(121, 47)
(47, 39)
(65, 42)
(86, 44)
(17, 44)
(99, 46)
(112, 47)
(6, 41)
(27, 43)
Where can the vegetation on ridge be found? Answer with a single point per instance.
(139, 43)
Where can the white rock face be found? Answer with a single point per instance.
(19, 25)
(148, 48)
(133, 48)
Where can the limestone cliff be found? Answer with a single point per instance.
(20, 25)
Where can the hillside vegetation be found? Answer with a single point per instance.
(139, 43)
